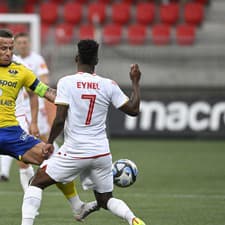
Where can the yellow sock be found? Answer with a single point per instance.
(69, 189)
(70, 192)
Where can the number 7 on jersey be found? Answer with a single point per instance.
(91, 98)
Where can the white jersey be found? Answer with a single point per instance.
(38, 65)
(88, 97)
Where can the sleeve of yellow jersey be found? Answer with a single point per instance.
(29, 78)
(31, 82)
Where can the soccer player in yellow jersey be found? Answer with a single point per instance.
(14, 141)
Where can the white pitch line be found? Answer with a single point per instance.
(150, 194)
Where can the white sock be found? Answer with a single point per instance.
(31, 203)
(25, 176)
(120, 208)
(75, 204)
(6, 162)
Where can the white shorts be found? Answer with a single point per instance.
(95, 173)
(22, 119)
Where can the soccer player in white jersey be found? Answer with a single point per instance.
(26, 170)
(82, 105)
(38, 65)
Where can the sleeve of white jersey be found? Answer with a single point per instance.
(62, 96)
(41, 67)
(118, 97)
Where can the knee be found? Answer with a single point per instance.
(41, 180)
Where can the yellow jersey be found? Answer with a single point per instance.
(12, 79)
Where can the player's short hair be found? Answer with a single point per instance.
(5, 33)
(21, 34)
(88, 51)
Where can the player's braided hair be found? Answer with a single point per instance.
(88, 51)
(5, 33)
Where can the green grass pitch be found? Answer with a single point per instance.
(179, 183)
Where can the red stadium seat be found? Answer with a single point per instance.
(193, 13)
(169, 13)
(185, 34)
(18, 28)
(57, 1)
(104, 1)
(4, 8)
(128, 1)
(120, 13)
(86, 31)
(63, 33)
(202, 1)
(136, 34)
(145, 12)
(161, 34)
(112, 34)
(96, 12)
(72, 12)
(29, 7)
(49, 12)
(82, 1)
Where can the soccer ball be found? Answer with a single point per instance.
(124, 172)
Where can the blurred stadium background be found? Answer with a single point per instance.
(180, 47)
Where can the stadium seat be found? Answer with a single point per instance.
(120, 13)
(202, 1)
(29, 7)
(128, 1)
(145, 12)
(104, 1)
(136, 34)
(193, 13)
(161, 34)
(82, 1)
(86, 31)
(185, 34)
(4, 8)
(72, 12)
(57, 1)
(169, 13)
(96, 12)
(112, 34)
(17, 28)
(49, 12)
(63, 33)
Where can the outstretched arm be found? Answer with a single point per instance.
(132, 106)
(50, 94)
(58, 123)
(43, 90)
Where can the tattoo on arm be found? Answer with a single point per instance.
(50, 94)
